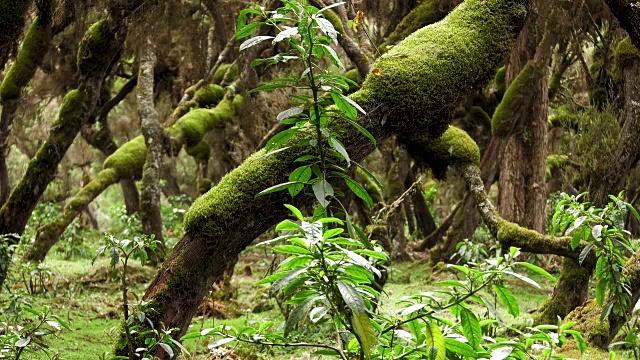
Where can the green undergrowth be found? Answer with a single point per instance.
(88, 298)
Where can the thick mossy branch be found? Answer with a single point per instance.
(419, 84)
(32, 51)
(501, 81)
(190, 129)
(416, 81)
(454, 147)
(427, 13)
(209, 96)
(128, 160)
(200, 152)
(222, 70)
(588, 323)
(505, 117)
(95, 46)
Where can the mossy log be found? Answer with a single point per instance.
(419, 84)
(127, 163)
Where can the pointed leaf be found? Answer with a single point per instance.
(366, 333)
(434, 338)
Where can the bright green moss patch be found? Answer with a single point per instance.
(94, 45)
(32, 51)
(218, 76)
(625, 55)
(427, 13)
(477, 115)
(501, 80)
(587, 319)
(504, 117)
(75, 103)
(422, 79)
(209, 96)
(200, 152)
(556, 162)
(129, 159)
(564, 116)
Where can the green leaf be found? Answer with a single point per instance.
(285, 34)
(288, 225)
(344, 106)
(471, 327)
(322, 189)
(365, 332)
(23, 342)
(253, 42)
(537, 269)
(276, 188)
(289, 113)
(300, 175)
(359, 191)
(286, 279)
(249, 29)
(327, 28)
(601, 289)
(585, 252)
(336, 144)
(269, 87)
(369, 175)
(460, 348)
(298, 314)
(358, 273)
(523, 278)
(294, 210)
(507, 298)
(242, 17)
(351, 297)
(331, 233)
(291, 249)
(582, 345)
(354, 104)
(167, 349)
(433, 337)
(221, 342)
(363, 131)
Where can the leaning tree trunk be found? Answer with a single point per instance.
(30, 56)
(416, 94)
(150, 215)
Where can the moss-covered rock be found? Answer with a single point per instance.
(504, 117)
(32, 51)
(96, 42)
(415, 80)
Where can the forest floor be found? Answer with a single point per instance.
(89, 299)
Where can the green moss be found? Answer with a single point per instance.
(427, 13)
(587, 319)
(238, 103)
(190, 129)
(554, 85)
(75, 103)
(555, 161)
(129, 159)
(334, 19)
(478, 116)
(94, 45)
(564, 116)
(504, 117)
(625, 55)
(455, 146)
(219, 75)
(422, 79)
(32, 51)
(204, 185)
(200, 152)
(209, 96)
(501, 80)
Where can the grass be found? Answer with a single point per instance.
(88, 297)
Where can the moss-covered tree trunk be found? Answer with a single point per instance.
(150, 215)
(33, 49)
(628, 14)
(416, 94)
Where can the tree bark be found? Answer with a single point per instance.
(227, 219)
(628, 14)
(150, 215)
(12, 16)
